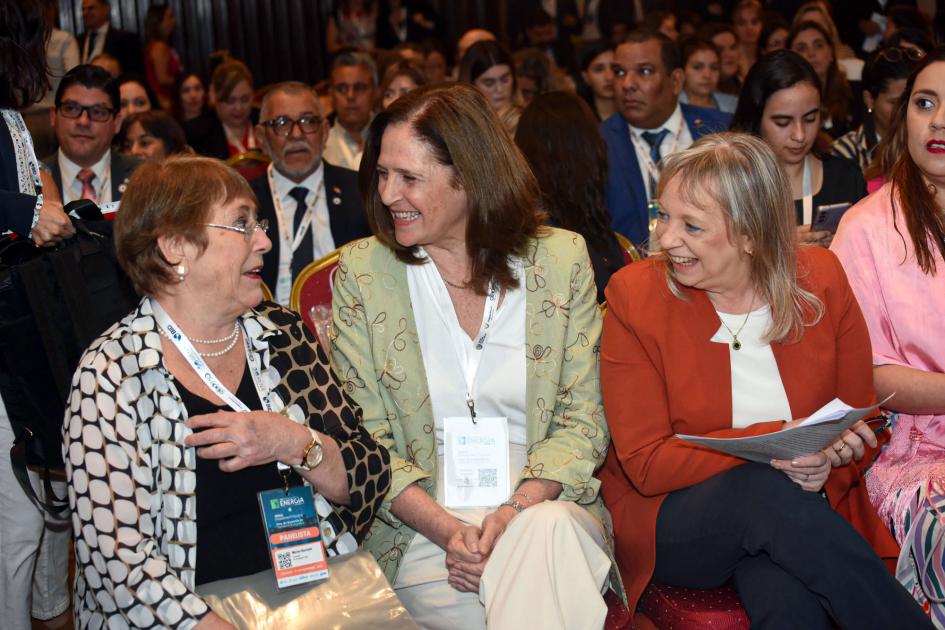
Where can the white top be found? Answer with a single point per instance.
(341, 149)
(322, 241)
(674, 124)
(72, 187)
(757, 390)
(499, 385)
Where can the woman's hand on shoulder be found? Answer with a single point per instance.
(810, 472)
(240, 440)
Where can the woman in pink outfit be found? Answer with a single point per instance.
(892, 246)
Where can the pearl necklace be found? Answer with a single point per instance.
(233, 337)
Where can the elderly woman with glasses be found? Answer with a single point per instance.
(192, 404)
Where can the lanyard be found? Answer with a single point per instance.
(289, 243)
(808, 199)
(183, 345)
(469, 363)
(643, 149)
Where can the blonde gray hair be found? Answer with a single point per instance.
(740, 174)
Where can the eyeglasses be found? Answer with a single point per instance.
(246, 230)
(282, 125)
(97, 113)
(895, 54)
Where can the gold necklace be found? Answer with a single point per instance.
(453, 284)
(736, 344)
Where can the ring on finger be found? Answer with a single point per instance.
(807, 477)
(840, 448)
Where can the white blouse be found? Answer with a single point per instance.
(499, 383)
(757, 390)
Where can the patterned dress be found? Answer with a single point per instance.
(903, 309)
(132, 479)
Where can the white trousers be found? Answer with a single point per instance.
(34, 556)
(547, 571)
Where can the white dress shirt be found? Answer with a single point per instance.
(757, 390)
(342, 150)
(675, 124)
(322, 241)
(72, 187)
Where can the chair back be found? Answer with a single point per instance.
(311, 294)
(267, 294)
(630, 251)
(250, 163)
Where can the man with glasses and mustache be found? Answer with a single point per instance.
(353, 97)
(85, 120)
(312, 206)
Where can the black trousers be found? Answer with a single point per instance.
(794, 561)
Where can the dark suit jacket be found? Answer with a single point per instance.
(661, 375)
(625, 190)
(206, 136)
(123, 46)
(122, 166)
(16, 208)
(345, 215)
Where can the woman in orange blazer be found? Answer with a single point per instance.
(732, 330)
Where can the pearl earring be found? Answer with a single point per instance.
(181, 272)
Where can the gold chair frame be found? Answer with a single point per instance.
(307, 272)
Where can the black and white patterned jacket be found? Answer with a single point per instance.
(132, 479)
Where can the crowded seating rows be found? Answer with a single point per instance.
(754, 194)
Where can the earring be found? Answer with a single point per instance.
(181, 272)
(869, 110)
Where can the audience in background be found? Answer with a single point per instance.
(230, 132)
(534, 74)
(701, 73)
(161, 63)
(135, 95)
(467, 39)
(884, 79)
(353, 97)
(892, 246)
(151, 135)
(747, 21)
(352, 24)
(781, 104)
(107, 63)
(101, 37)
(190, 98)
(559, 138)
(774, 35)
(650, 124)
(488, 66)
(400, 78)
(724, 39)
(86, 119)
(596, 85)
(435, 62)
(312, 205)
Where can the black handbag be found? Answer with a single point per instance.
(53, 303)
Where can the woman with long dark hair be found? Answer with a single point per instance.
(29, 207)
(892, 247)
(559, 137)
(596, 86)
(813, 42)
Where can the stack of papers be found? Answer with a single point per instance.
(821, 429)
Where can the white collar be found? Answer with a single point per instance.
(103, 30)
(69, 169)
(284, 185)
(671, 124)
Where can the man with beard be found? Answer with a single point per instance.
(312, 206)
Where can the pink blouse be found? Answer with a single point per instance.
(904, 311)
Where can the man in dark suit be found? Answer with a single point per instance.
(312, 206)
(85, 120)
(649, 124)
(101, 37)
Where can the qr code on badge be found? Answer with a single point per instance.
(488, 478)
(284, 560)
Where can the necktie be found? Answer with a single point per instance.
(86, 176)
(655, 140)
(91, 50)
(303, 254)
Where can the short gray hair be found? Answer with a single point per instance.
(741, 174)
(289, 88)
(356, 58)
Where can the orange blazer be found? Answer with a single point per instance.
(661, 375)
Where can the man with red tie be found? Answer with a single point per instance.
(85, 120)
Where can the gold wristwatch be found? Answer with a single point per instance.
(313, 453)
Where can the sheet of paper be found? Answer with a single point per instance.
(821, 429)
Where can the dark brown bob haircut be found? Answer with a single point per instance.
(171, 198)
(458, 127)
